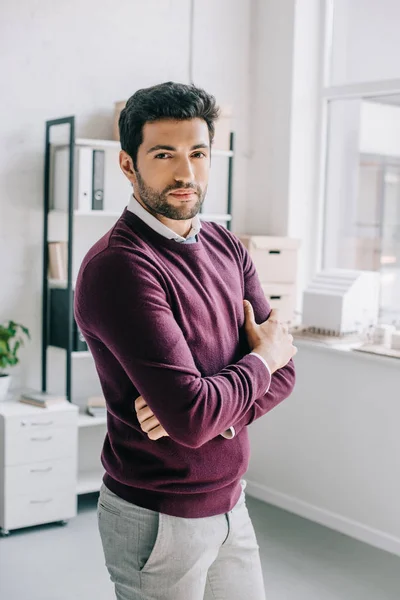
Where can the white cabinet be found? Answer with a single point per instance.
(38, 464)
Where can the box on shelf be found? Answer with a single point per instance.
(281, 296)
(223, 128)
(96, 406)
(58, 330)
(118, 107)
(275, 258)
(58, 260)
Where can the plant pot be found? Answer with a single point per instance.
(5, 381)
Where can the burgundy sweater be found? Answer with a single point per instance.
(165, 321)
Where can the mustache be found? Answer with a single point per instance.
(181, 186)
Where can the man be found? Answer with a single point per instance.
(166, 306)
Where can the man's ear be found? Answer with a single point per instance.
(126, 164)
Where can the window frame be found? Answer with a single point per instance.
(330, 93)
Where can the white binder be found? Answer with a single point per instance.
(82, 193)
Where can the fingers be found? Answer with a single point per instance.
(157, 433)
(149, 424)
(144, 413)
(248, 311)
(140, 403)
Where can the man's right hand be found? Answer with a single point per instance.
(271, 339)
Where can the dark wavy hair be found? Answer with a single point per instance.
(176, 101)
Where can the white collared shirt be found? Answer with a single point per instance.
(137, 209)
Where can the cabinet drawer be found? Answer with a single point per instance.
(31, 446)
(34, 509)
(41, 420)
(43, 477)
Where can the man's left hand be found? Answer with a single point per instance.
(148, 421)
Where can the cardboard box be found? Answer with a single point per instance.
(275, 258)
(283, 297)
(118, 107)
(223, 128)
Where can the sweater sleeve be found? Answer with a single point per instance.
(283, 380)
(132, 317)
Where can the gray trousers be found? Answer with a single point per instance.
(153, 556)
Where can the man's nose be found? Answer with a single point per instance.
(184, 171)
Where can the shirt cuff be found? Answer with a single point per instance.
(266, 366)
(229, 433)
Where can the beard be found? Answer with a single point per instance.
(157, 202)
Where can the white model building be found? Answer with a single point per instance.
(341, 301)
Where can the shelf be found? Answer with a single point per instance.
(112, 144)
(89, 481)
(91, 142)
(117, 214)
(78, 354)
(98, 143)
(59, 283)
(222, 152)
(85, 420)
(97, 213)
(89, 213)
(216, 217)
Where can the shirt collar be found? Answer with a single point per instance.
(137, 209)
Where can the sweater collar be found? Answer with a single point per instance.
(137, 209)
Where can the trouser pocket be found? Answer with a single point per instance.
(131, 535)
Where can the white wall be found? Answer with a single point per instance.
(284, 160)
(303, 209)
(331, 452)
(78, 58)
(271, 93)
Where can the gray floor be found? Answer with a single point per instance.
(301, 561)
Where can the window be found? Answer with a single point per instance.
(362, 175)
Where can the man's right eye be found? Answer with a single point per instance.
(162, 155)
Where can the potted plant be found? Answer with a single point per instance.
(11, 339)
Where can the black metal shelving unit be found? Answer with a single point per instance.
(45, 284)
(72, 143)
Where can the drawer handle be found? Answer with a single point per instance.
(42, 470)
(46, 424)
(46, 439)
(274, 251)
(41, 501)
(275, 297)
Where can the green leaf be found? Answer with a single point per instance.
(11, 339)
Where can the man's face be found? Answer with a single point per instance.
(172, 167)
